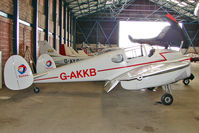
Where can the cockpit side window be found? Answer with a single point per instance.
(117, 58)
(134, 52)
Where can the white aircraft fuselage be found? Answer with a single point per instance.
(102, 68)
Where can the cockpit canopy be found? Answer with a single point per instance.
(139, 50)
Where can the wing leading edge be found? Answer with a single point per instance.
(146, 71)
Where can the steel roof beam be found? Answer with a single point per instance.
(88, 5)
(85, 3)
(99, 9)
(76, 10)
(176, 8)
(79, 6)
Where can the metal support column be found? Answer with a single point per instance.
(0, 69)
(117, 23)
(65, 27)
(71, 19)
(91, 30)
(68, 14)
(16, 27)
(35, 29)
(47, 20)
(55, 23)
(107, 40)
(97, 36)
(60, 23)
(82, 32)
(74, 32)
(190, 41)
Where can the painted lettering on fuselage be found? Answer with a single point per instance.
(68, 61)
(79, 74)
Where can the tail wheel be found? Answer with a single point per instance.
(186, 81)
(167, 99)
(36, 90)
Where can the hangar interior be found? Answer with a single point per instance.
(85, 106)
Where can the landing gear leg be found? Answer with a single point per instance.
(167, 98)
(36, 89)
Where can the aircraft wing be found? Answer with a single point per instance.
(152, 69)
(145, 71)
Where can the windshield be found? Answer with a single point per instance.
(136, 51)
(139, 50)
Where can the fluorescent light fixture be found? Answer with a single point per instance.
(175, 1)
(191, 1)
(196, 11)
(179, 3)
(108, 2)
(24, 22)
(182, 4)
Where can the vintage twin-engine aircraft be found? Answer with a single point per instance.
(132, 68)
(72, 55)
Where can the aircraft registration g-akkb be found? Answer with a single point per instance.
(132, 71)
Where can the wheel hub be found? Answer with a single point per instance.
(167, 99)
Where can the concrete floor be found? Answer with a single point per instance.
(86, 108)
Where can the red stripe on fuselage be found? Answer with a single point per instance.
(186, 59)
(137, 64)
(46, 78)
(130, 65)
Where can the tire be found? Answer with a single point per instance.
(167, 99)
(36, 90)
(186, 81)
(151, 88)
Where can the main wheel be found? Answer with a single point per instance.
(36, 90)
(151, 88)
(186, 81)
(167, 99)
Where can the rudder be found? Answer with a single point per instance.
(17, 73)
(45, 48)
(45, 63)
